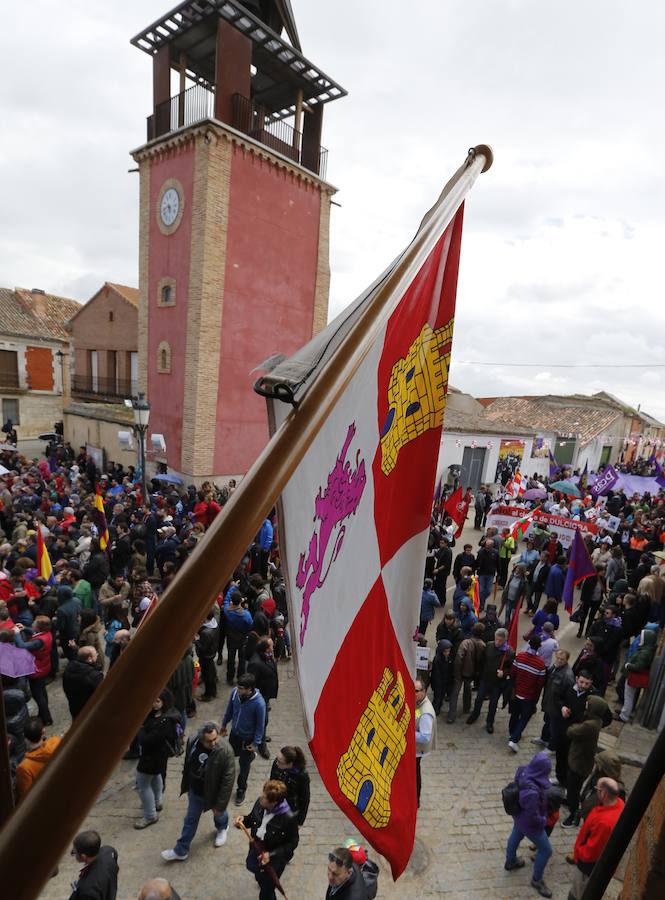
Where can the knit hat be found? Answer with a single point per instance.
(443, 645)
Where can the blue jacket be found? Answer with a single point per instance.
(247, 717)
(265, 535)
(238, 620)
(428, 603)
(466, 620)
(555, 582)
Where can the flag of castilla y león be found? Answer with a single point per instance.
(354, 525)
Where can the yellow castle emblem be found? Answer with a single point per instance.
(416, 392)
(365, 772)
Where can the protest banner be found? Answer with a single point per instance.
(506, 516)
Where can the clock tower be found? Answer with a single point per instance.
(234, 220)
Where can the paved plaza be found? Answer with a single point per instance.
(461, 833)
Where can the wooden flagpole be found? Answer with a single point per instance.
(99, 736)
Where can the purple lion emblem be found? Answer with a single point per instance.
(340, 500)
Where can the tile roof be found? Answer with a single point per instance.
(455, 420)
(33, 314)
(564, 415)
(130, 294)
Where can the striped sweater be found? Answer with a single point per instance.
(528, 672)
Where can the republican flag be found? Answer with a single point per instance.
(457, 508)
(554, 468)
(355, 520)
(44, 566)
(521, 527)
(475, 595)
(99, 518)
(579, 568)
(660, 475)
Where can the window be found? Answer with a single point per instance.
(166, 292)
(110, 315)
(10, 411)
(9, 369)
(164, 358)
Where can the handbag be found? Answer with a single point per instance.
(638, 679)
(577, 615)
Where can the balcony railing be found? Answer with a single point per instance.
(198, 103)
(186, 108)
(9, 380)
(106, 390)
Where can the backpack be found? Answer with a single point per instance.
(370, 873)
(176, 747)
(511, 799)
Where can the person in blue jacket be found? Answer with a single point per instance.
(237, 625)
(265, 542)
(556, 579)
(246, 711)
(428, 603)
(467, 618)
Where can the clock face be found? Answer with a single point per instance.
(169, 207)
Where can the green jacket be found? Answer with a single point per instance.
(219, 776)
(643, 656)
(507, 548)
(84, 592)
(584, 736)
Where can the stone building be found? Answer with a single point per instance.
(34, 353)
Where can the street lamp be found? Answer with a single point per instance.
(141, 409)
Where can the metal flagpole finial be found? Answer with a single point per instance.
(484, 150)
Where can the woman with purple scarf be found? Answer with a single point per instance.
(533, 784)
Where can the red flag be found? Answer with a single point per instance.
(457, 508)
(514, 626)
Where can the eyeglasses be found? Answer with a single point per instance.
(335, 859)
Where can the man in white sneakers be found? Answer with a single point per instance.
(208, 774)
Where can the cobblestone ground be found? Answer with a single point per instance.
(461, 832)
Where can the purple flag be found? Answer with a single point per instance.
(554, 469)
(604, 482)
(579, 568)
(660, 476)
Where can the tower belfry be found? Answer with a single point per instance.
(234, 222)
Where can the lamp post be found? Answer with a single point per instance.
(141, 409)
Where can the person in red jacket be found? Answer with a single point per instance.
(595, 833)
(39, 644)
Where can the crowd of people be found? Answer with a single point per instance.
(75, 624)
(108, 572)
(620, 615)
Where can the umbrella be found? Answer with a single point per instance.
(566, 487)
(4, 471)
(15, 662)
(168, 479)
(10, 447)
(535, 494)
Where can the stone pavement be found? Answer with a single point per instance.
(461, 833)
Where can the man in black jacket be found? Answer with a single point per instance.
(536, 577)
(345, 879)
(263, 667)
(449, 630)
(98, 879)
(81, 679)
(465, 558)
(208, 773)
(499, 656)
(442, 567)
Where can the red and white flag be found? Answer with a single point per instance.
(457, 508)
(515, 486)
(354, 524)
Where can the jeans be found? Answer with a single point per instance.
(39, 695)
(543, 850)
(520, 713)
(485, 583)
(245, 758)
(629, 694)
(494, 693)
(233, 649)
(194, 812)
(264, 881)
(150, 788)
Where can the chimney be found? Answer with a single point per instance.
(35, 299)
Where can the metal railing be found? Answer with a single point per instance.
(198, 103)
(9, 380)
(186, 108)
(103, 388)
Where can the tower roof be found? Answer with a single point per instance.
(281, 69)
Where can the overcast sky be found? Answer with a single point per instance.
(564, 238)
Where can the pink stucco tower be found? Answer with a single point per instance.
(234, 221)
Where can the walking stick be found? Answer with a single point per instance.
(258, 848)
